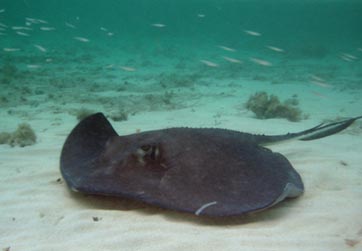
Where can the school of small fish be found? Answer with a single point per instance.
(32, 25)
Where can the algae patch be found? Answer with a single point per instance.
(23, 136)
(119, 115)
(269, 106)
(82, 113)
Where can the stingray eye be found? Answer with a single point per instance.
(145, 148)
(148, 152)
(154, 152)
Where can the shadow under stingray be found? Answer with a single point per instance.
(275, 213)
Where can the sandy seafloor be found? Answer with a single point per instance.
(166, 85)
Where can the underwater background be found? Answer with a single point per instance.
(160, 55)
(254, 66)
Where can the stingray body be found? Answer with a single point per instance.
(213, 172)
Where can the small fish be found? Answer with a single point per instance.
(82, 39)
(273, 48)
(316, 78)
(110, 34)
(226, 48)
(22, 34)
(201, 15)
(21, 28)
(3, 25)
(261, 62)
(33, 66)
(11, 49)
(110, 66)
(40, 48)
(321, 84)
(36, 20)
(103, 29)
(318, 94)
(209, 63)
(2, 10)
(319, 81)
(29, 19)
(232, 60)
(70, 25)
(44, 28)
(346, 59)
(127, 68)
(42, 21)
(346, 55)
(252, 33)
(158, 25)
(48, 60)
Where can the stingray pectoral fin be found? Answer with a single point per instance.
(317, 132)
(83, 146)
(290, 191)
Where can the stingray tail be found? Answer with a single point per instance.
(317, 132)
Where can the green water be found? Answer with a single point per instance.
(324, 21)
(150, 46)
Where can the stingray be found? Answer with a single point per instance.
(204, 171)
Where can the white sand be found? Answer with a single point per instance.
(39, 213)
